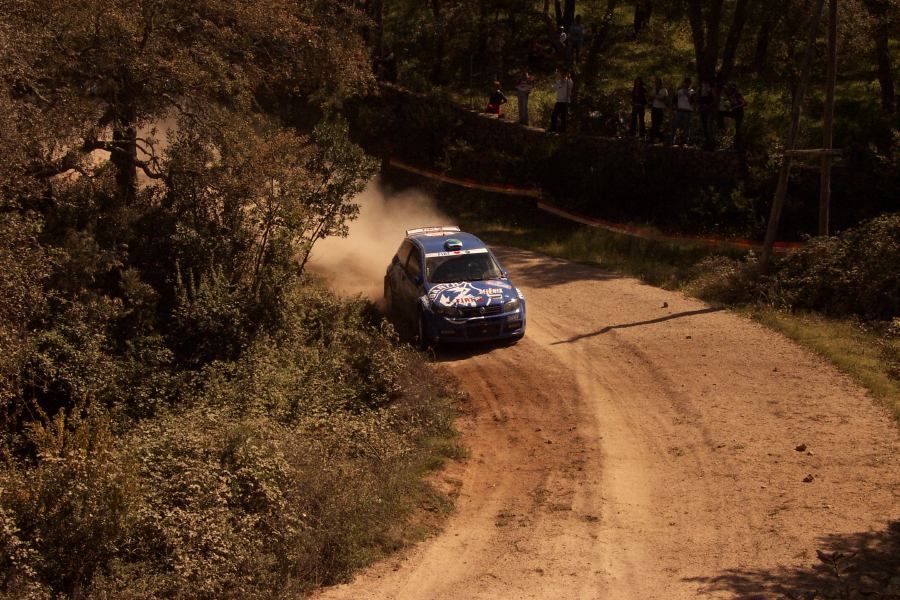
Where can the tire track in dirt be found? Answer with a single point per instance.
(628, 450)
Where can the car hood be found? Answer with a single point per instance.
(472, 293)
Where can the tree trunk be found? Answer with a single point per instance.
(124, 159)
(763, 38)
(698, 33)
(731, 42)
(598, 42)
(377, 14)
(440, 43)
(711, 53)
(705, 18)
(569, 14)
(559, 13)
(642, 11)
(879, 9)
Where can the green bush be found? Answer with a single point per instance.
(284, 469)
(723, 279)
(853, 274)
(65, 517)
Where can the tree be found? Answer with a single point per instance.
(706, 19)
(115, 67)
(884, 15)
(599, 41)
(769, 14)
(229, 199)
(643, 9)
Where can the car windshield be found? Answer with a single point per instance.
(466, 267)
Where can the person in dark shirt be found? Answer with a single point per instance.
(638, 107)
(736, 104)
(496, 99)
(708, 103)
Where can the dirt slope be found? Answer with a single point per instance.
(628, 450)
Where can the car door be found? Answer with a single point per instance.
(411, 283)
(397, 275)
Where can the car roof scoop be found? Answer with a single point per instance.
(452, 245)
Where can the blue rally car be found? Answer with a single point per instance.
(449, 286)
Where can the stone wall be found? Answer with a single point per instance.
(676, 189)
(483, 131)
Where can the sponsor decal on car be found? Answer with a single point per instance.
(464, 293)
(457, 252)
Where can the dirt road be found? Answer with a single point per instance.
(628, 449)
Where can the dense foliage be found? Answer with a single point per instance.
(279, 471)
(853, 274)
(454, 49)
(182, 412)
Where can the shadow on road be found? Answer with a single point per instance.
(539, 271)
(857, 565)
(449, 353)
(609, 328)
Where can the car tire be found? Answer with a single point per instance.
(514, 340)
(422, 341)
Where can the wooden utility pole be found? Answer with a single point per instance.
(827, 137)
(781, 190)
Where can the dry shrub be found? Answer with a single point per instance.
(63, 518)
(286, 469)
(853, 274)
(724, 279)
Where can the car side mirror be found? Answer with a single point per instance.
(504, 274)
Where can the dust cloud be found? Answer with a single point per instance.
(356, 264)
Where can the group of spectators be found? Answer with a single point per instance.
(562, 87)
(711, 101)
(713, 104)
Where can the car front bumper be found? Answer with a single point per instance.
(498, 327)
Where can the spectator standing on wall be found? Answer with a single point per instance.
(576, 36)
(684, 110)
(496, 99)
(563, 89)
(660, 99)
(736, 104)
(385, 66)
(708, 102)
(638, 108)
(523, 89)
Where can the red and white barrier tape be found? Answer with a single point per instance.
(471, 184)
(620, 228)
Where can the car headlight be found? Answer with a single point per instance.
(445, 311)
(511, 305)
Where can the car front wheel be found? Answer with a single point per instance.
(422, 341)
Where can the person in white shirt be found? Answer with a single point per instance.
(659, 96)
(684, 110)
(563, 88)
(523, 89)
